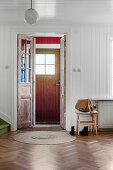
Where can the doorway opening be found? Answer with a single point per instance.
(41, 80)
(47, 86)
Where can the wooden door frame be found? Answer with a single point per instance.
(21, 30)
(60, 91)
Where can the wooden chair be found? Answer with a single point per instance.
(92, 123)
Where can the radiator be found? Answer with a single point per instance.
(105, 112)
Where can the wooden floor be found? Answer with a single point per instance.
(85, 153)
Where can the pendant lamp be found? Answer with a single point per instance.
(31, 15)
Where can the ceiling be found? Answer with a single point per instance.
(69, 11)
(23, 3)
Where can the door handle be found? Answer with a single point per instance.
(57, 84)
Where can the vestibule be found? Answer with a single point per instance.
(86, 65)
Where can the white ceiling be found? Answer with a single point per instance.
(69, 11)
(23, 3)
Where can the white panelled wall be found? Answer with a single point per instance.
(7, 74)
(89, 54)
(87, 66)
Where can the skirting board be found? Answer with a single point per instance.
(105, 129)
(5, 117)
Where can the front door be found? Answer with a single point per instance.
(47, 86)
(25, 80)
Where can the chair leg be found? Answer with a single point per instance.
(91, 128)
(78, 125)
(78, 129)
(96, 129)
(95, 119)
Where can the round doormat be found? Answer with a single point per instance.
(44, 137)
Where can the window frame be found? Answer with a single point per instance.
(46, 65)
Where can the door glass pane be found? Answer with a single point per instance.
(29, 78)
(50, 58)
(22, 75)
(40, 59)
(28, 61)
(50, 69)
(28, 45)
(23, 61)
(23, 42)
(28, 75)
(40, 69)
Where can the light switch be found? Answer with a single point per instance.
(78, 70)
(74, 69)
(6, 66)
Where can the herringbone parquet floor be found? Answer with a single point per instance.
(86, 153)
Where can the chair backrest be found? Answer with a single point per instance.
(84, 105)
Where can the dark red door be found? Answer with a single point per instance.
(47, 86)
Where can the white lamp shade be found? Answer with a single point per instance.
(31, 16)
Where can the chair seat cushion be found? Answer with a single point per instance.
(77, 112)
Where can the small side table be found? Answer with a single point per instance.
(92, 123)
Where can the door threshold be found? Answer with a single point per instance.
(47, 125)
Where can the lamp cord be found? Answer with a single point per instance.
(31, 4)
